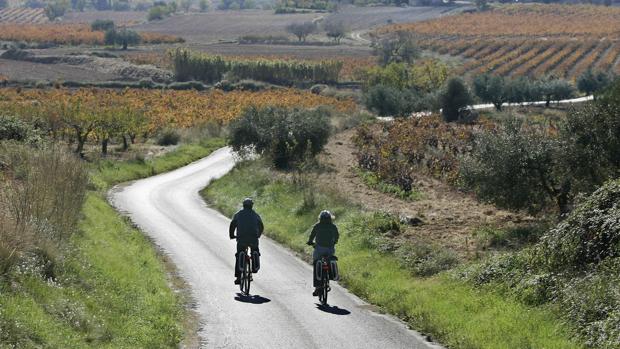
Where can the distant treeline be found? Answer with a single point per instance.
(189, 65)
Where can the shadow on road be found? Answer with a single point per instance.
(332, 309)
(252, 299)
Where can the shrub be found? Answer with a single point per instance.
(121, 5)
(168, 137)
(454, 98)
(12, 128)
(387, 101)
(287, 136)
(516, 167)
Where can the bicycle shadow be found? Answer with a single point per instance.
(251, 299)
(332, 309)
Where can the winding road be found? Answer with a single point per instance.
(282, 312)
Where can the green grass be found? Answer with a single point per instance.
(107, 172)
(373, 181)
(450, 311)
(111, 288)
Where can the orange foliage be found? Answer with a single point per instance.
(162, 108)
(67, 34)
(523, 20)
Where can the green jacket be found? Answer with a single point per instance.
(248, 224)
(325, 233)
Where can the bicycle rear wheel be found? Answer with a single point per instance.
(324, 290)
(247, 273)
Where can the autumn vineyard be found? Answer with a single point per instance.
(532, 40)
(69, 34)
(103, 113)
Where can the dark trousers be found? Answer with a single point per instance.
(241, 249)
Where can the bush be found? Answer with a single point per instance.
(168, 137)
(454, 98)
(387, 101)
(102, 25)
(121, 5)
(56, 9)
(287, 136)
(516, 167)
(12, 128)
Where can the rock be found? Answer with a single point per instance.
(412, 221)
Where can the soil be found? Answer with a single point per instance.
(448, 216)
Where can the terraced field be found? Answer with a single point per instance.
(530, 40)
(23, 16)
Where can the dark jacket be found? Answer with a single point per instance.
(248, 224)
(325, 232)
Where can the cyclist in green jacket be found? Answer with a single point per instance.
(326, 235)
(249, 227)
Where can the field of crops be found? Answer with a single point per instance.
(68, 34)
(23, 16)
(159, 109)
(530, 40)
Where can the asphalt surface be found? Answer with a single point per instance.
(282, 312)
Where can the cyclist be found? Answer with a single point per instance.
(326, 234)
(249, 228)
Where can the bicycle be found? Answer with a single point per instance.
(325, 270)
(245, 264)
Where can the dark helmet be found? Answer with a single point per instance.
(248, 203)
(325, 215)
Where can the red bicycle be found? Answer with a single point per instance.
(324, 270)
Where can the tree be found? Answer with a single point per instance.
(4, 4)
(399, 48)
(387, 101)
(204, 5)
(102, 5)
(123, 37)
(287, 136)
(56, 9)
(517, 167)
(482, 5)
(335, 30)
(491, 89)
(186, 5)
(301, 30)
(453, 99)
(591, 82)
(555, 90)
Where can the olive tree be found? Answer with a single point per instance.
(301, 30)
(286, 136)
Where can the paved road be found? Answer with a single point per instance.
(283, 313)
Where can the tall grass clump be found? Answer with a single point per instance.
(41, 194)
(189, 65)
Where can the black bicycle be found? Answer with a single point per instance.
(245, 264)
(324, 270)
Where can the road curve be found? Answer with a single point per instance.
(283, 313)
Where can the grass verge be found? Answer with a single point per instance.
(110, 289)
(450, 311)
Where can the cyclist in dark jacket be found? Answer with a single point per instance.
(249, 228)
(326, 235)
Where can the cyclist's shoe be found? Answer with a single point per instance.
(315, 293)
(251, 278)
(237, 281)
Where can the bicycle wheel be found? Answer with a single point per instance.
(324, 290)
(243, 276)
(247, 272)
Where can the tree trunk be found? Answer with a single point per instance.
(104, 147)
(125, 143)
